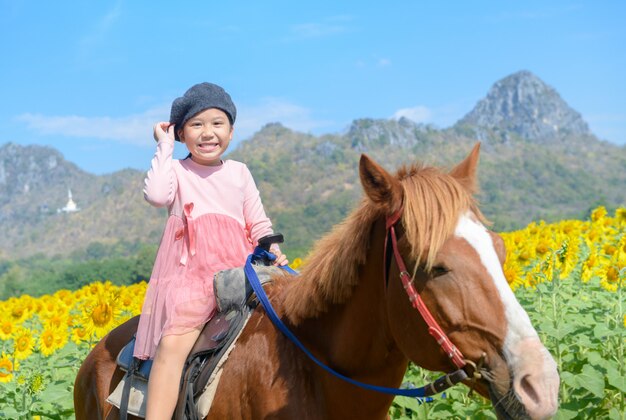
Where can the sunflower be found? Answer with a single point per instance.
(94, 288)
(7, 368)
(100, 317)
(620, 215)
(80, 335)
(127, 301)
(598, 213)
(591, 267)
(296, 263)
(50, 340)
(18, 310)
(610, 280)
(65, 298)
(36, 384)
(6, 329)
(24, 343)
(513, 274)
(543, 246)
(525, 254)
(609, 248)
(49, 307)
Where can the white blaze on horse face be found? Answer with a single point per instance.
(519, 326)
(535, 376)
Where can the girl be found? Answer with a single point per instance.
(215, 219)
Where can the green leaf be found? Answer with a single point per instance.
(614, 414)
(9, 413)
(595, 358)
(407, 402)
(592, 380)
(569, 379)
(571, 409)
(601, 331)
(564, 331)
(616, 380)
(566, 414)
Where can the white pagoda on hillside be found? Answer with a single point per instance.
(71, 206)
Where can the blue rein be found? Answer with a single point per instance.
(439, 385)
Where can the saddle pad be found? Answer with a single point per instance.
(136, 398)
(231, 288)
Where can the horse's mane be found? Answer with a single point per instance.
(433, 202)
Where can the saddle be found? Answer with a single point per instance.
(235, 303)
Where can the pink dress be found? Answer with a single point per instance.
(215, 219)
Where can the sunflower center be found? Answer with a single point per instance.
(23, 343)
(17, 312)
(102, 314)
(6, 368)
(612, 274)
(48, 340)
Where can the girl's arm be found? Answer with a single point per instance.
(257, 222)
(160, 184)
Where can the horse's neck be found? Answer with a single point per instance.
(354, 336)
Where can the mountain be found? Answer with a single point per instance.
(522, 104)
(538, 161)
(34, 185)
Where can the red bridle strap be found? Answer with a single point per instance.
(416, 301)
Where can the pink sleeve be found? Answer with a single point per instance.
(257, 223)
(160, 184)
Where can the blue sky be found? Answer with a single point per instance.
(91, 78)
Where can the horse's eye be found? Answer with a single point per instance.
(439, 270)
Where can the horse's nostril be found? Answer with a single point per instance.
(527, 391)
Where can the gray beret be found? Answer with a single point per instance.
(198, 98)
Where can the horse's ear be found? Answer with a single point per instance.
(380, 186)
(465, 172)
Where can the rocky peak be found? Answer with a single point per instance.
(524, 105)
(25, 169)
(369, 133)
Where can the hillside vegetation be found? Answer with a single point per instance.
(539, 160)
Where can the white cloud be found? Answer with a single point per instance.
(418, 114)
(133, 129)
(384, 62)
(137, 128)
(439, 116)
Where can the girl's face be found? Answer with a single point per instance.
(207, 136)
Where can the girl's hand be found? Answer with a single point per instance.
(281, 259)
(163, 131)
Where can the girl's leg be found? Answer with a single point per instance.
(166, 373)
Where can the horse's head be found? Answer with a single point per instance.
(456, 266)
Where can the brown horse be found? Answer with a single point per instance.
(353, 320)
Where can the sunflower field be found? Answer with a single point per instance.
(570, 276)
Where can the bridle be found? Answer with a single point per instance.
(453, 353)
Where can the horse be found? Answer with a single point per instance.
(349, 309)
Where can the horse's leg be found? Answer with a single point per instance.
(98, 375)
